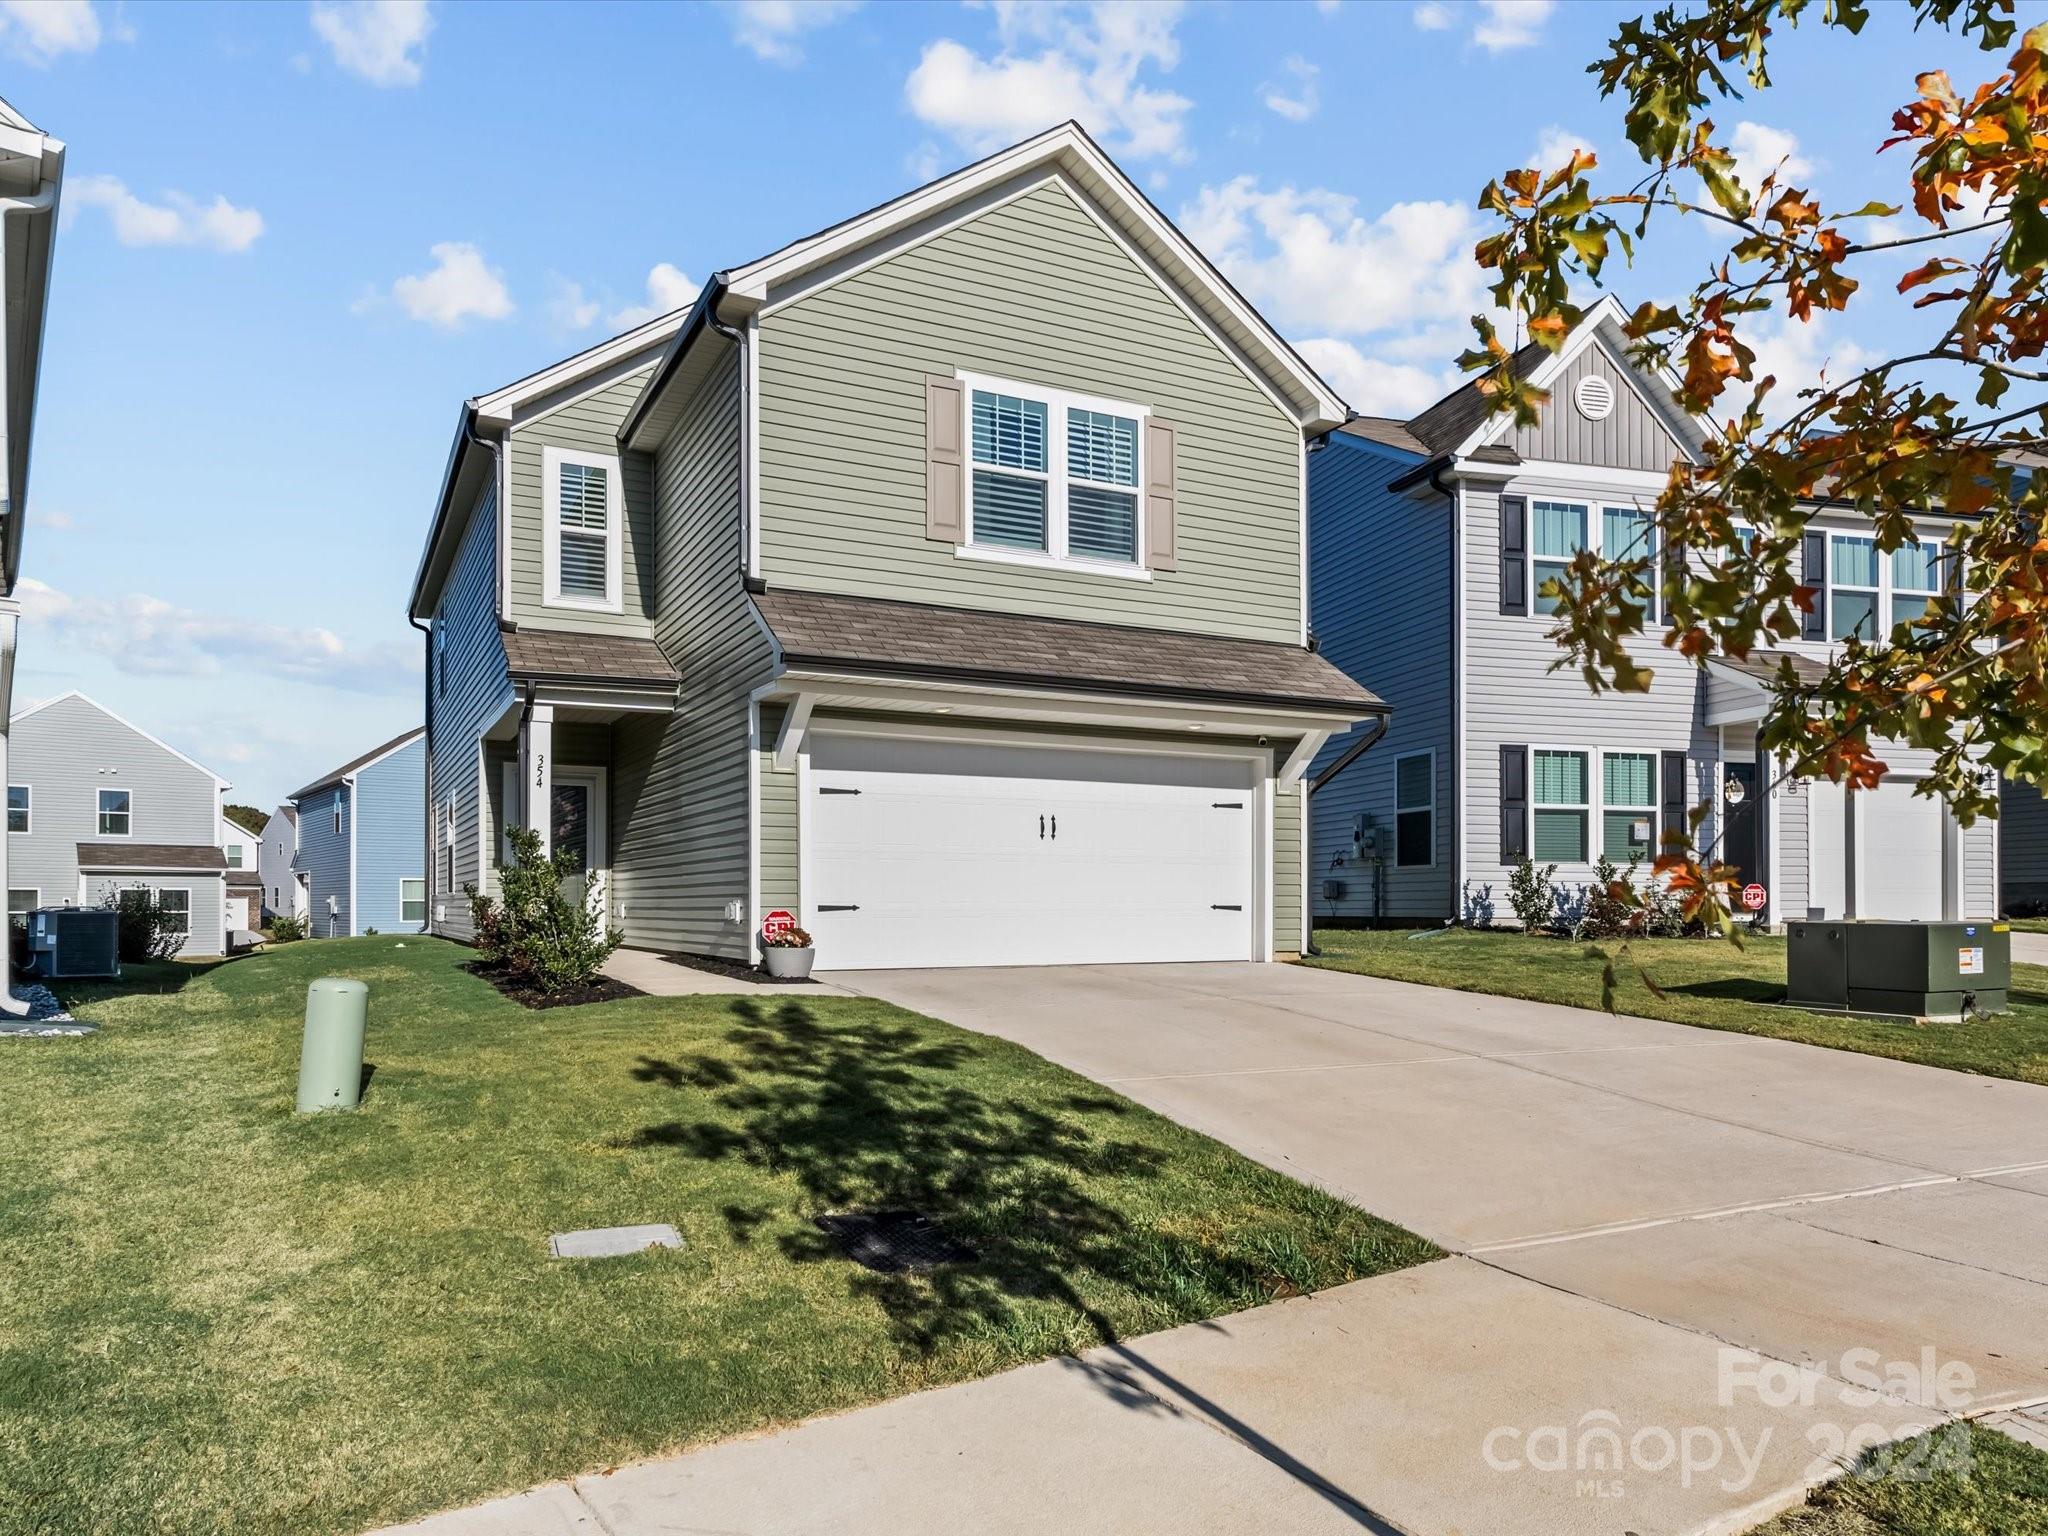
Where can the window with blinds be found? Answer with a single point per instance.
(1916, 572)
(584, 528)
(1558, 785)
(1628, 806)
(1852, 588)
(1558, 529)
(1051, 476)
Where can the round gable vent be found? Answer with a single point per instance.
(1594, 397)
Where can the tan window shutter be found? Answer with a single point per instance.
(945, 457)
(1162, 549)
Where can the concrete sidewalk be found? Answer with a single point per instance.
(2030, 949)
(661, 977)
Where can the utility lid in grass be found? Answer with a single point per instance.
(613, 1242)
(893, 1242)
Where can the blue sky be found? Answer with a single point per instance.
(298, 236)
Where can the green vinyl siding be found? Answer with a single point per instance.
(778, 821)
(1288, 873)
(590, 424)
(1033, 291)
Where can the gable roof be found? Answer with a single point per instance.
(733, 295)
(355, 764)
(90, 702)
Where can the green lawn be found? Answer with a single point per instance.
(2001, 1491)
(1701, 981)
(218, 1316)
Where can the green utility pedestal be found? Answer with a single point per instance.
(331, 1055)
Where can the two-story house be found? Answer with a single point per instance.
(242, 851)
(97, 806)
(277, 865)
(360, 851)
(1432, 538)
(939, 578)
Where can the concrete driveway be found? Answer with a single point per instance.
(1654, 1228)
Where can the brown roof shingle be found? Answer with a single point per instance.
(597, 658)
(1763, 665)
(919, 639)
(193, 856)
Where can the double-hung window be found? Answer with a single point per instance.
(233, 854)
(1628, 806)
(584, 505)
(1054, 475)
(1559, 529)
(1415, 810)
(412, 901)
(17, 807)
(175, 906)
(115, 808)
(1630, 533)
(1852, 587)
(1916, 571)
(1559, 781)
(21, 902)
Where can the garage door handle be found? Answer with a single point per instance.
(1226, 805)
(1041, 828)
(823, 790)
(1055, 829)
(1221, 906)
(826, 906)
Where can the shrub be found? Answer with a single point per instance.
(1608, 914)
(545, 933)
(145, 931)
(285, 928)
(1532, 892)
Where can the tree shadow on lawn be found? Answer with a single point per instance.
(871, 1115)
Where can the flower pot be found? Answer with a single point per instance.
(789, 964)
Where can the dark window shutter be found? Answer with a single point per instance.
(1514, 555)
(1673, 560)
(1514, 804)
(1813, 572)
(1674, 797)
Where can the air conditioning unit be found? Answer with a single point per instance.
(74, 941)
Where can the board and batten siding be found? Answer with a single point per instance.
(474, 693)
(1511, 697)
(1036, 291)
(1631, 436)
(390, 802)
(591, 424)
(1380, 605)
(2022, 845)
(679, 782)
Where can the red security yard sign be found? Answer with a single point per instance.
(776, 922)
(1754, 897)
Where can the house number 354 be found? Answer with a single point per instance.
(540, 770)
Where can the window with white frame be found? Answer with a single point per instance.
(115, 812)
(1852, 587)
(447, 845)
(1628, 806)
(440, 653)
(233, 854)
(17, 807)
(20, 902)
(1054, 474)
(412, 901)
(1558, 533)
(175, 905)
(1630, 533)
(1415, 810)
(1916, 572)
(584, 500)
(337, 813)
(1558, 792)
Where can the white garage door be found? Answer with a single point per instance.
(1901, 837)
(927, 854)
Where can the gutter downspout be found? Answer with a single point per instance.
(738, 338)
(427, 770)
(1351, 754)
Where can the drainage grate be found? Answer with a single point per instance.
(893, 1242)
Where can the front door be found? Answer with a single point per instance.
(1741, 844)
(577, 827)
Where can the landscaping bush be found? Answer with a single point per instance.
(1532, 892)
(545, 933)
(284, 929)
(1608, 914)
(145, 931)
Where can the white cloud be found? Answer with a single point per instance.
(177, 220)
(1760, 150)
(56, 522)
(379, 40)
(459, 286)
(1798, 354)
(1298, 101)
(774, 29)
(1315, 265)
(570, 309)
(1055, 62)
(1433, 16)
(668, 289)
(146, 635)
(1554, 146)
(1372, 385)
(37, 31)
(1511, 23)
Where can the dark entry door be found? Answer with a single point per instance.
(1742, 842)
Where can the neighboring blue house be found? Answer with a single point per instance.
(362, 841)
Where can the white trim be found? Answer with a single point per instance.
(1057, 477)
(112, 789)
(27, 811)
(34, 890)
(348, 784)
(426, 911)
(1552, 477)
(158, 893)
(598, 834)
(500, 404)
(789, 740)
(804, 914)
(1304, 753)
(1301, 528)
(1584, 807)
(511, 814)
(751, 918)
(1399, 809)
(553, 460)
(36, 709)
(750, 509)
(1461, 741)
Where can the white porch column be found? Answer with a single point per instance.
(10, 624)
(537, 773)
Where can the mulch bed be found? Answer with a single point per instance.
(603, 990)
(737, 970)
